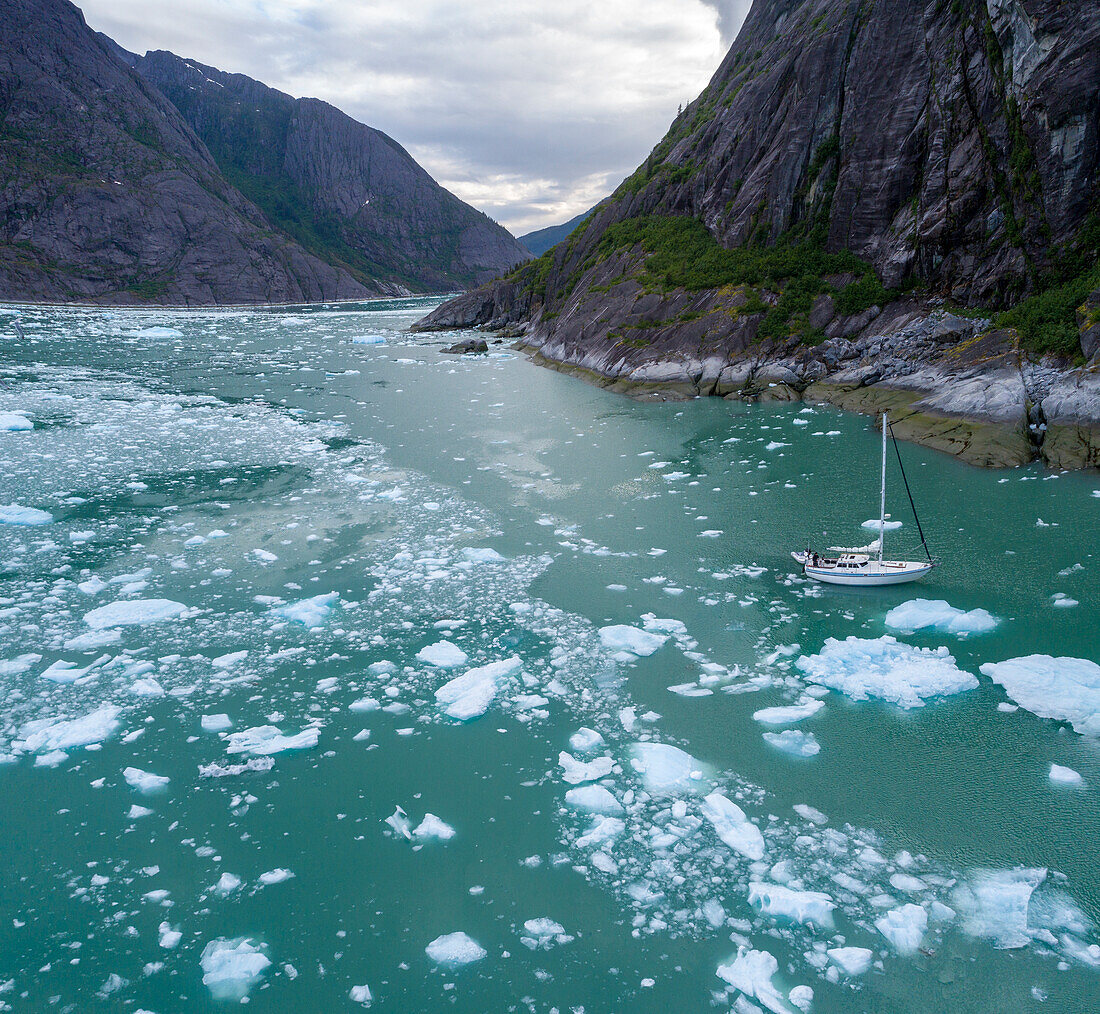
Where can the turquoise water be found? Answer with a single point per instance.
(239, 463)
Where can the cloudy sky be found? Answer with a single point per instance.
(531, 110)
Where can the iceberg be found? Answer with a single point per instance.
(575, 771)
(751, 972)
(882, 667)
(230, 968)
(264, 740)
(453, 950)
(311, 612)
(14, 514)
(794, 742)
(733, 826)
(781, 902)
(144, 781)
(904, 927)
(594, 799)
(1065, 776)
(851, 960)
(1067, 689)
(14, 421)
(134, 612)
(805, 708)
(920, 614)
(585, 740)
(432, 827)
(665, 770)
(51, 734)
(994, 905)
(620, 637)
(443, 655)
(216, 723)
(469, 696)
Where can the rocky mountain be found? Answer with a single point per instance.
(541, 240)
(107, 193)
(346, 192)
(855, 170)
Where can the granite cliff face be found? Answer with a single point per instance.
(109, 194)
(345, 191)
(855, 170)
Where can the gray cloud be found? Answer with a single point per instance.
(530, 111)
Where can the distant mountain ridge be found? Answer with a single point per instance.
(541, 240)
(109, 194)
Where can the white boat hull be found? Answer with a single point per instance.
(873, 575)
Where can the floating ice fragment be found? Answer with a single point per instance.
(134, 612)
(169, 938)
(453, 950)
(443, 655)
(469, 696)
(665, 770)
(364, 704)
(230, 660)
(620, 637)
(851, 960)
(268, 739)
(399, 821)
(147, 687)
(482, 555)
(861, 668)
(1060, 600)
(311, 612)
(874, 523)
(227, 883)
(232, 967)
(361, 994)
(814, 816)
(795, 742)
(156, 332)
(781, 902)
(585, 740)
(276, 876)
(994, 904)
(594, 798)
(1065, 776)
(144, 781)
(136, 812)
(904, 927)
(575, 771)
(216, 723)
(67, 672)
(751, 972)
(14, 514)
(801, 996)
(785, 715)
(432, 827)
(733, 826)
(13, 421)
(919, 614)
(1067, 689)
(602, 829)
(47, 734)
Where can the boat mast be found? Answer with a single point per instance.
(882, 506)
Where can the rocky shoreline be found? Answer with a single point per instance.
(951, 383)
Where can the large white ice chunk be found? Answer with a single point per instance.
(575, 771)
(882, 667)
(49, 734)
(230, 968)
(1065, 776)
(920, 614)
(751, 972)
(14, 514)
(805, 708)
(144, 781)
(665, 770)
(733, 826)
(453, 950)
(14, 421)
(620, 637)
(781, 902)
(268, 739)
(443, 655)
(1067, 689)
(585, 740)
(593, 798)
(469, 696)
(994, 904)
(904, 927)
(851, 960)
(134, 612)
(795, 742)
(432, 827)
(311, 612)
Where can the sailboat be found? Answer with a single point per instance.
(859, 567)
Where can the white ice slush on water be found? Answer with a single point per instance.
(1067, 689)
(920, 614)
(885, 668)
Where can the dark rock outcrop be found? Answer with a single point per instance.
(345, 191)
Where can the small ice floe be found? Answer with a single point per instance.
(156, 332)
(904, 927)
(585, 740)
(134, 612)
(810, 813)
(665, 770)
(603, 829)
(68, 672)
(621, 637)
(542, 934)
(1065, 776)
(1066, 689)
(227, 884)
(169, 938)
(136, 812)
(469, 696)
(15, 421)
(431, 828)
(994, 904)
(575, 772)
(230, 968)
(230, 660)
(370, 339)
(276, 876)
(472, 555)
(365, 704)
(14, 514)
(443, 655)
(733, 827)
(875, 524)
(593, 799)
(751, 973)
(361, 995)
(144, 781)
(781, 902)
(795, 742)
(311, 612)
(851, 960)
(146, 687)
(805, 708)
(884, 668)
(1060, 600)
(93, 639)
(264, 740)
(216, 723)
(453, 950)
(52, 734)
(920, 614)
